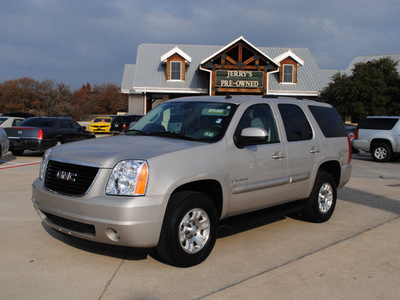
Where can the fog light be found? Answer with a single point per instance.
(112, 234)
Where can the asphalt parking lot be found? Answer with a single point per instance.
(259, 256)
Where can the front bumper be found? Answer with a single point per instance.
(99, 129)
(123, 221)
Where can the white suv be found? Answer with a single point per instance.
(190, 163)
(379, 135)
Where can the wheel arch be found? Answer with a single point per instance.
(375, 142)
(210, 187)
(332, 167)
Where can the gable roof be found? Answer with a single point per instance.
(287, 54)
(153, 76)
(241, 38)
(367, 58)
(173, 51)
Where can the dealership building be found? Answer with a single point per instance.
(167, 71)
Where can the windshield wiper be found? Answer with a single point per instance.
(170, 134)
(130, 131)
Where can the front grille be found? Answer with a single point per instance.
(69, 179)
(71, 225)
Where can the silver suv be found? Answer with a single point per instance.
(380, 136)
(190, 163)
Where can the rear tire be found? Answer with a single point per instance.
(17, 152)
(189, 229)
(319, 207)
(381, 153)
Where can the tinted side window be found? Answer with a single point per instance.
(296, 124)
(378, 123)
(259, 115)
(329, 121)
(38, 122)
(64, 124)
(74, 124)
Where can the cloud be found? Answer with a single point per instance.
(76, 42)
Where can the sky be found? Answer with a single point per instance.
(89, 41)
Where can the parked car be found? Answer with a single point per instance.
(17, 114)
(351, 131)
(379, 135)
(120, 124)
(41, 133)
(4, 143)
(189, 163)
(6, 121)
(100, 125)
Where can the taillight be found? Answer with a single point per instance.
(356, 135)
(40, 135)
(123, 127)
(349, 143)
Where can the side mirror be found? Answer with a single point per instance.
(251, 136)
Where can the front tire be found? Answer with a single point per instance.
(189, 230)
(381, 153)
(319, 207)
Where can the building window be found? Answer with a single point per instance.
(288, 73)
(176, 70)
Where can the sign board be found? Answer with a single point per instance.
(239, 79)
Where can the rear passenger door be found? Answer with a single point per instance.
(303, 150)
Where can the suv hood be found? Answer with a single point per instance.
(107, 151)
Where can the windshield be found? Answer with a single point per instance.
(97, 120)
(198, 121)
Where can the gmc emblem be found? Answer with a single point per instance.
(68, 176)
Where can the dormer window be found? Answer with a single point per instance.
(176, 62)
(289, 64)
(288, 71)
(176, 68)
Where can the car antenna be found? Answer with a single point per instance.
(228, 96)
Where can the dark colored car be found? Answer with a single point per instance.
(18, 115)
(42, 133)
(121, 123)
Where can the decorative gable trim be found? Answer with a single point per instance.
(241, 38)
(174, 51)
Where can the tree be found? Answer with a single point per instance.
(52, 94)
(108, 99)
(20, 95)
(82, 102)
(372, 89)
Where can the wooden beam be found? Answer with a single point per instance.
(251, 59)
(231, 60)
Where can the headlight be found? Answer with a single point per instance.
(43, 165)
(128, 178)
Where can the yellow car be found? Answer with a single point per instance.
(100, 125)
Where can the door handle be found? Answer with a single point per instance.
(314, 150)
(278, 155)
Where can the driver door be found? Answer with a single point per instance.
(259, 172)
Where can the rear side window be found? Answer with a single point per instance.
(38, 122)
(296, 124)
(329, 121)
(378, 123)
